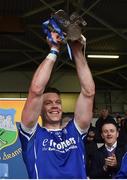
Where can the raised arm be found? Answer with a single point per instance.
(84, 105)
(33, 105)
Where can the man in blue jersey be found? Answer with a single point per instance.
(122, 173)
(50, 152)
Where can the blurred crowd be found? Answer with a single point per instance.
(105, 145)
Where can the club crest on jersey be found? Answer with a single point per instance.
(8, 130)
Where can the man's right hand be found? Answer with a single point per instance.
(56, 39)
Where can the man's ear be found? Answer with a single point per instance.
(102, 135)
(117, 134)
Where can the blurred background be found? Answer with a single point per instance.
(23, 47)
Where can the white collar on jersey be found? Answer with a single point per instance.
(52, 129)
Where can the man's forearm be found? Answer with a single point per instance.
(43, 73)
(41, 76)
(84, 74)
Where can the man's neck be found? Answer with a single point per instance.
(111, 145)
(52, 126)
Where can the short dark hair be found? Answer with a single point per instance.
(118, 117)
(110, 121)
(51, 90)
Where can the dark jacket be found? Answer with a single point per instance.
(98, 162)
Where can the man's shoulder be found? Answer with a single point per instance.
(102, 149)
(67, 124)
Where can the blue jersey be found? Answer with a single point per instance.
(54, 154)
(122, 174)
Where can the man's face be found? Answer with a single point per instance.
(51, 108)
(104, 113)
(109, 134)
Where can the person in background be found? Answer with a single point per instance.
(107, 160)
(104, 116)
(119, 122)
(90, 147)
(50, 152)
(122, 125)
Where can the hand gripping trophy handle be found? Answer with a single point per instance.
(68, 28)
